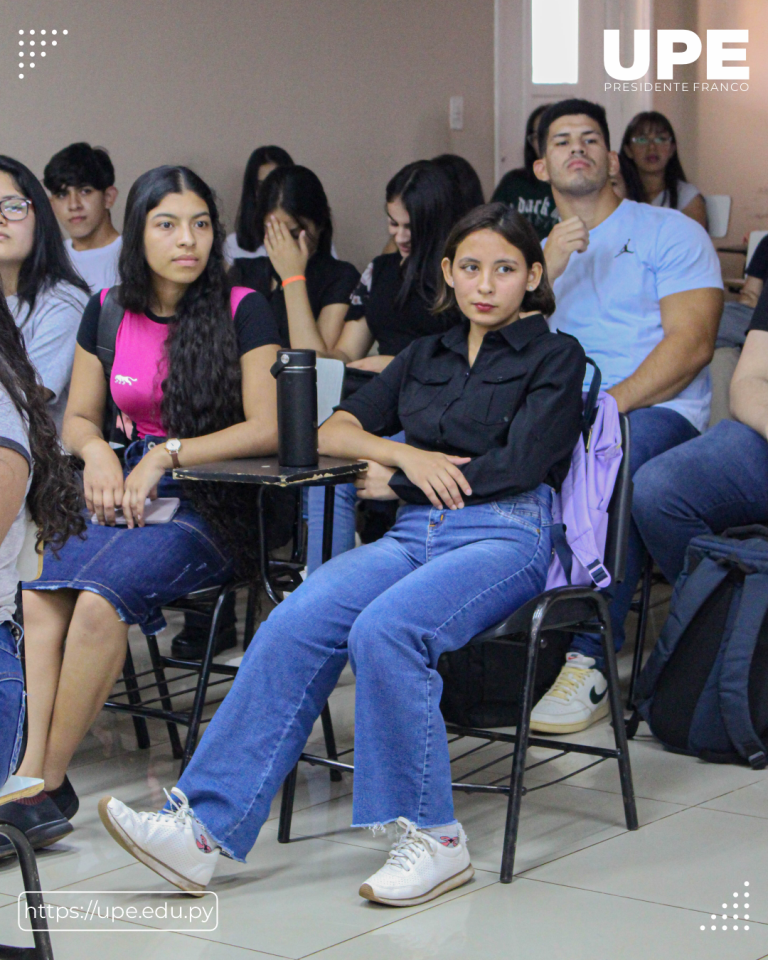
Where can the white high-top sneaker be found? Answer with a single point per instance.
(171, 842)
(419, 868)
(577, 699)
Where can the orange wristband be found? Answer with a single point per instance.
(298, 276)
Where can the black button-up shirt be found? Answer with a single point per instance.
(516, 411)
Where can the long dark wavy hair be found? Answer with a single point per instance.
(247, 223)
(650, 121)
(299, 192)
(428, 196)
(48, 263)
(54, 498)
(203, 390)
(516, 230)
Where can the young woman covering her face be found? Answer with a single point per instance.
(392, 303)
(44, 292)
(182, 370)
(34, 470)
(243, 242)
(651, 167)
(491, 412)
(297, 232)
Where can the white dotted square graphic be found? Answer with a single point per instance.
(735, 916)
(28, 45)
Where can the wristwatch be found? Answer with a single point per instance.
(173, 447)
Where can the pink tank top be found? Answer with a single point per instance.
(141, 365)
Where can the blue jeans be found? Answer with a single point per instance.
(343, 519)
(392, 607)
(652, 431)
(11, 699)
(716, 481)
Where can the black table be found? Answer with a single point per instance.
(265, 472)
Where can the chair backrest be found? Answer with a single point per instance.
(718, 214)
(755, 237)
(330, 379)
(620, 512)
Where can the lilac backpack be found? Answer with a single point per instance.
(580, 510)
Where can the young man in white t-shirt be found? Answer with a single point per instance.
(81, 181)
(640, 287)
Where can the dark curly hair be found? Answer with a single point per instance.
(203, 390)
(650, 121)
(54, 498)
(515, 229)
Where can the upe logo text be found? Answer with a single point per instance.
(667, 57)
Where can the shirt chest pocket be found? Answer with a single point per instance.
(423, 390)
(495, 397)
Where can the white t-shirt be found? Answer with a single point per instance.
(14, 436)
(232, 250)
(49, 335)
(608, 296)
(97, 267)
(685, 193)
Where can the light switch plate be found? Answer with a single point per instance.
(457, 113)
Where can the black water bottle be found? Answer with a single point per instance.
(296, 375)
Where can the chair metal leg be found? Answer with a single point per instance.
(617, 714)
(521, 748)
(286, 807)
(165, 696)
(330, 741)
(202, 683)
(250, 615)
(642, 628)
(134, 698)
(42, 949)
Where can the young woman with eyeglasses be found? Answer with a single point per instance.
(45, 294)
(651, 167)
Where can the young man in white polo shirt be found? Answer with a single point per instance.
(640, 287)
(81, 181)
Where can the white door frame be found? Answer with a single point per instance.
(516, 96)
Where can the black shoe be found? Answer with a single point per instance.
(189, 644)
(38, 818)
(65, 798)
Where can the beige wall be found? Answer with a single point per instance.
(723, 135)
(352, 88)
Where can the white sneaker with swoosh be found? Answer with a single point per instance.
(576, 700)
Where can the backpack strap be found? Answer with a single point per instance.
(734, 674)
(590, 404)
(688, 599)
(110, 318)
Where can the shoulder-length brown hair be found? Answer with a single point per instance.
(515, 229)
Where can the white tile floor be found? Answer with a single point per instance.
(584, 887)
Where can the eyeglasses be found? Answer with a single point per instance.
(15, 208)
(644, 141)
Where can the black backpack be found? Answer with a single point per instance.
(704, 689)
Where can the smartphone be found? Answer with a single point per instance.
(162, 510)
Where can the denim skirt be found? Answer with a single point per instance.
(139, 571)
(11, 699)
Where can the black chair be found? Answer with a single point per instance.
(42, 949)
(569, 609)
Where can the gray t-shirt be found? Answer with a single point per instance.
(49, 334)
(14, 436)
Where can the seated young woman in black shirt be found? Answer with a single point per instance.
(491, 412)
(392, 303)
(306, 286)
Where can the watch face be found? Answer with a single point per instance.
(173, 446)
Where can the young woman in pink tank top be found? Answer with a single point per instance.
(191, 364)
